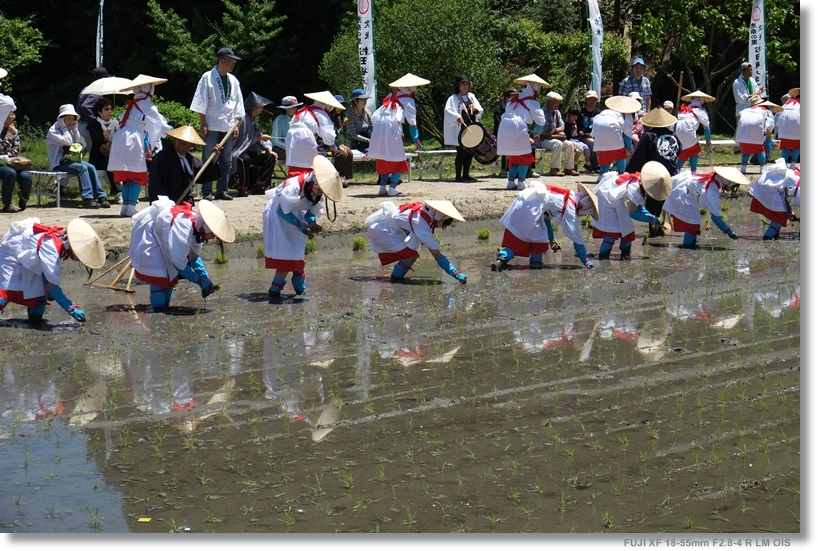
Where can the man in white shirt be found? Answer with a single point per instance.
(219, 103)
(743, 87)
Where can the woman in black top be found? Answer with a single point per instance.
(101, 128)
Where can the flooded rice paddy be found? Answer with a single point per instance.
(660, 394)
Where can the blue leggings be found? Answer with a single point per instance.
(160, 296)
(794, 154)
(694, 163)
(402, 267)
(745, 158)
(517, 171)
(772, 231)
(607, 246)
(620, 166)
(688, 240)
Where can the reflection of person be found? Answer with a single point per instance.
(691, 116)
(218, 101)
(167, 241)
(692, 192)
(789, 127)
(282, 124)
(395, 233)
(754, 133)
(61, 136)
(173, 169)
(770, 192)
(386, 145)
(744, 88)
(513, 140)
(289, 218)
(621, 200)
(10, 149)
(258, 157)
(101, 130)
(462, 109)
(141, 128)
(359, 121)
(612, 132)
(30, 255)
(637, 82)
(530, 218)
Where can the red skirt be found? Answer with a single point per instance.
(691, 151)
(404, 254)
(17, 298)
(599, 234)
(686, 227)
(779, 217)
(140, 178)
(162, 282)
(612, 156)
(284, 265)
(391, 167)
(790, 144)
(751, 148)
(526, 159)
(523, 248)
(297, 170)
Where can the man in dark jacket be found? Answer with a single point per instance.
(174, 168)
(253, 157)
(585, 124)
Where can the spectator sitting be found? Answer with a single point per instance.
(668, 106)
(337, 116)
(101, 130)
(282, 123)
(85, 106)
(10, 150)
(585, 125)
(572, 135)
(359, 121)
(554, 137)
(257, 157)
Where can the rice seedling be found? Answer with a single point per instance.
(220, 258)
(483, 234)
(260, 251)
(359, 243)
(310, 247)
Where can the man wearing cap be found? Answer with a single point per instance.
(621, 200)
(396, 233)
(289, 219)
(513, 140)
(744, 87)
(788, 123)
(281, 125)
(692, 115)
(754, 131)
(253, 156)
(311, 123)
(692, 192)
(612, 132)
(637, 82)
(386, 145)
(62, 136)
(585, 127)
(359, 121)
(30, 255)
(218, 101)
(668, 106)
(554, 139)
(173, 169)
(167, 241)
(530, 219)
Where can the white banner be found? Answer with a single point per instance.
(758, 47)
(99, 34)
(366, 50)
(595, 26)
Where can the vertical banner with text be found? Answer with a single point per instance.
(100, 32)
(758, 47)
(595, 33)
(366, 51)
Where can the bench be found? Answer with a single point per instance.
(47, 182)
(357, 157)
(722, 143)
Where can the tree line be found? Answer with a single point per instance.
(310, 45)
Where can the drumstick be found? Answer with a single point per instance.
(470, 131)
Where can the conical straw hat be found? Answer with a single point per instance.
(408, 81)
(446, 208)
(755, 99)
(327, 178)
(186, 134)
(325, 97)
(658, 118)
(142, 80)
(531, 78)
(85, 243)
(328, 417)
(794, 92)
(3, 73)
(594, 200)
(623, 104)
(732, 174)
(773, 107)
(656, 180)
(698, 94)
(217, 221)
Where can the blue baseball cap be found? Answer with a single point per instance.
(358, 93)
(637, 61)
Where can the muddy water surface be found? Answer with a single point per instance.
(660, 394)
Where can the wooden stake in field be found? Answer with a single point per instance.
(679, 91)
(127, 260)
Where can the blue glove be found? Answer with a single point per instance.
(3, 303)
(588, 263)
(292, 219)
(309, 218)
(549, 228)
(641, 214)
(707, 134)
(59, 297)
(538, 128)
(449, 268)
(76, 313)
(731, 234)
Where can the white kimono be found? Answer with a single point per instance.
(220, 107)
(789, 120)
(300, 143)
(773, 186)
(754, 124)
(23, 265)
(386, 142)
(453, 111)
(512, 132)
(691, 192)
(282, 240)
(614, 214)
(144, 124)
(794, 183)
(689, 122)
(609, 128)
(145, 249)
(390, 230)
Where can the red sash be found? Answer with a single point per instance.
(515, 100)
(685, 109)
(792, 101)
(393, 100)
(131, 104)
(629, 177)
(566, 195)
(56, 234)
(308, 109)
(707, 179)
(416, 208)
(185, 209)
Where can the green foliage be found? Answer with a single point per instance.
(176, 113)
(260, 251)
(310, 247)
(340, 67)
(20, 46)
(554, 15)
(358, 243)
(483, 234)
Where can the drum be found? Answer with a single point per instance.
(479, 142)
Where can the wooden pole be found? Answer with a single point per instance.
(207, 163)
(679, 90)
